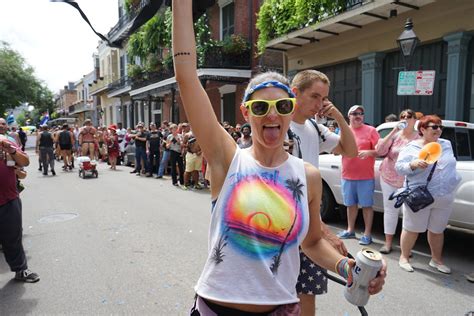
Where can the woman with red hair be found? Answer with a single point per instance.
(444, 181)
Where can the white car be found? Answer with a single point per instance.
(460, 134)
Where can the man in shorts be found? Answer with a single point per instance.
(311, 88)
(193, 161)
(358, 179)
(87, 139)
(66, 140)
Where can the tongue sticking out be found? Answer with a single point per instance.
(271, 134)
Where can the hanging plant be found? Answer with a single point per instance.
(280, 17)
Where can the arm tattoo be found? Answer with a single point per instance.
(182, 54)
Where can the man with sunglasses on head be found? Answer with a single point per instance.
(311, 88)
(358, 178)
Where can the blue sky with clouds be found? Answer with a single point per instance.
(52, 36)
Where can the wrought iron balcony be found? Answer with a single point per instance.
(121, 30)
(120, 83)
(101, 84)
(216, 58)
(152, 77)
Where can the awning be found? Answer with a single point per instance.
(205, 73)
(363, 14)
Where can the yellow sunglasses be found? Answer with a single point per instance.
(261, 108)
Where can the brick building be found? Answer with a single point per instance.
(223, 75)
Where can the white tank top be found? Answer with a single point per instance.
(259, 220)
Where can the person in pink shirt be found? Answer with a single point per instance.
(357, 183)
(389, 147)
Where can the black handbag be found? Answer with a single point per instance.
(417, 198)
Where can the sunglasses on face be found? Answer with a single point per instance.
(406, 117)
(357, 113)
(260, 108)
(435, 127)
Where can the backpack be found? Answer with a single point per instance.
(292, 137)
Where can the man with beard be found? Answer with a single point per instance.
(11, 230)
(358, 179)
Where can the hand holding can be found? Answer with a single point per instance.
(368, 263)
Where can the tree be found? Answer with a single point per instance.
(18, 83)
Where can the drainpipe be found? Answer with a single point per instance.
(251, 26)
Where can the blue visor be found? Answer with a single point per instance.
(268, 84)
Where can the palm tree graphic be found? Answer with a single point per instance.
(218, 253)
(296, 188)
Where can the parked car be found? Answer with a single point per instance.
(461, 135)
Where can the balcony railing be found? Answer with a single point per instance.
(101, 83)
(120, 83)
(152, 77)
(80, 107)
(120, 30)
(216, 58)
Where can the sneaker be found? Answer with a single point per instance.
(137, 174)
(365, 240)
(440, 267)
(184, 187)
(133, 171)
(53, 172)
(385, 250)
(197, 187)
(27, 276)
(159, 177)
(45, 173)
(470, 277)
(175, 184)
(149, 175)
(405, 266)
(345, 234)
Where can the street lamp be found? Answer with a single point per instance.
(407, 42)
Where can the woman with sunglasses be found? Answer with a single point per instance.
(390, 181)
(444, 181)
(265, 202)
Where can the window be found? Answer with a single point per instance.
(227, 20)
(228, 104)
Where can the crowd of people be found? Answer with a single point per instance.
(265, 184)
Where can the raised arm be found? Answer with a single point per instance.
(217, 145)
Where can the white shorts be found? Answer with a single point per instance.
(433, 218)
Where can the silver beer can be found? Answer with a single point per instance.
(368, 263)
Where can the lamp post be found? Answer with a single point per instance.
(407, 42)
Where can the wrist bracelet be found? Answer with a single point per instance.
(342, 267)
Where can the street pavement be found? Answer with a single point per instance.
(128, 245)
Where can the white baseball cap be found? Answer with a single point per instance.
(354, 108)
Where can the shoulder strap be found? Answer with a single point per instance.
(431, 173)
(292, 137)
(315, 124)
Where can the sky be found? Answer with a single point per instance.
(53, 38)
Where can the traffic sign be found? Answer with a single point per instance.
(416, 82)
